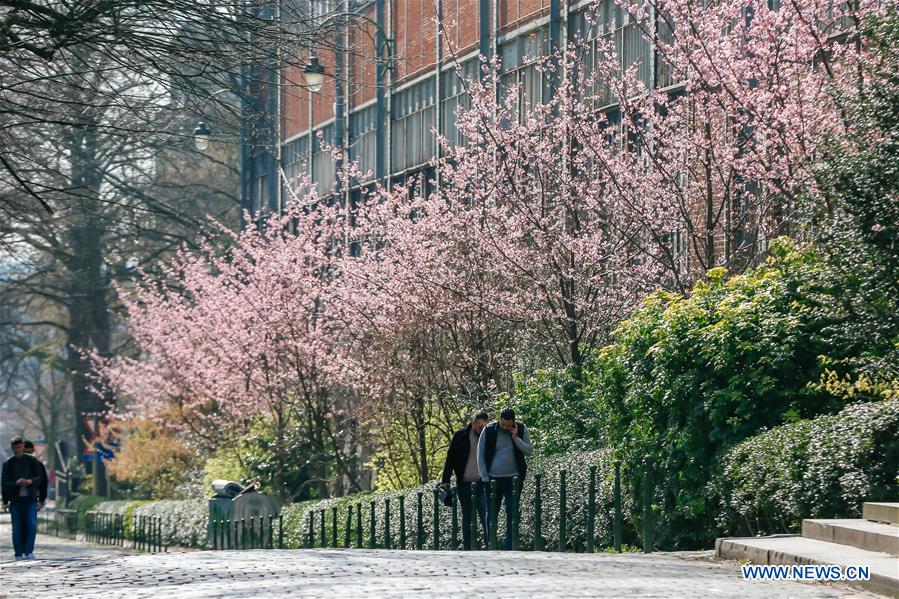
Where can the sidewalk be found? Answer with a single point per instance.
(49, 547)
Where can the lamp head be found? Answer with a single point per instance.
(201, 136)
(314, 74)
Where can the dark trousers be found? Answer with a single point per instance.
(23, 513)
(505, 493)
(465, 491)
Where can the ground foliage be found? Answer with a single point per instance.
(821, 468)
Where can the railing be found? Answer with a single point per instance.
(104, 529)
(144, 534)
(59, 523)
(263, 532)
(323, 526)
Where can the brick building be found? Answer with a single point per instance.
(392, 80)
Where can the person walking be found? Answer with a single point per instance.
(502, 449)
(21, 482)
(462, 459)
(45, 480)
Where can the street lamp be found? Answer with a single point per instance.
(201, 136)
(314, 74)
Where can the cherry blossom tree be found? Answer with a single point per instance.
(720, 141)
(243, 334)
(548, 226)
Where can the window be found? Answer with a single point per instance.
(412, 135)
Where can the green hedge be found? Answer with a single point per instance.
(84, 504)
(821, 468)
(577, 466)
(184, 521)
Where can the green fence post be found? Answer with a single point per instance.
(359, 525)
(372, 539)
(591, 509)
(253, 540)
(420, 528)
(270, 543)
(616, 525)
(455, 523)
(324, 536)
(516, 496)
(647, 506)
(402, 521)
(280, 530)
(244, 537)
(334, 526)
(310, 538)
(435, 541)
(492, 521)
(387, 523)
(347, 535)
(563, 512)
(538, 513)
(476, 489)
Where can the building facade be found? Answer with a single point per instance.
(393, 80)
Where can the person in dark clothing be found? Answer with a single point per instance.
(502, 448)
(462, 460)
(45, 480)
(21, 482)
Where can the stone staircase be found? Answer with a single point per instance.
(872, 541)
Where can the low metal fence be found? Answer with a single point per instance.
(141, 533)
(263, 532)
(59, 523)
(323, 530)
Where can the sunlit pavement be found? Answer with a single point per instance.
(69, 569)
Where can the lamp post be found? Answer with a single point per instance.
(314, 74)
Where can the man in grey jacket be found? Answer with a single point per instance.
(502, 448)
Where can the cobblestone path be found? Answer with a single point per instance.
(65, 569)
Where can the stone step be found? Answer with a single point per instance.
(881, 512)
(793, 549)
(864, 534)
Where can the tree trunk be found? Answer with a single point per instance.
(88, 306)
(420, 424)
(709, 202)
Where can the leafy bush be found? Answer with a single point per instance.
(121, 508)
(577, 466)
(153, 461)
(184, 521)
(821, 468)
(558, 408)
(687, 378)
(83, 504)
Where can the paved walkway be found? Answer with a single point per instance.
(65, 569)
